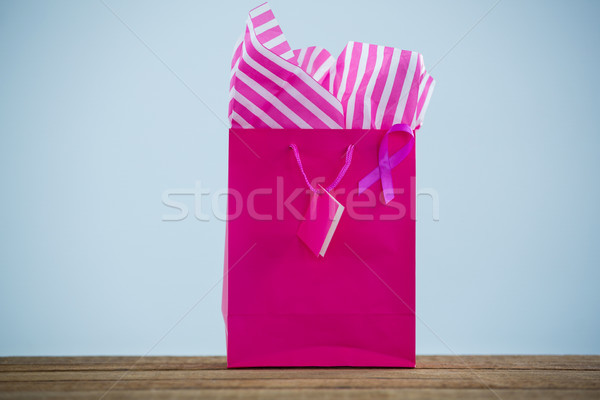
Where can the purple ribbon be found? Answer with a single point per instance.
(387, 163)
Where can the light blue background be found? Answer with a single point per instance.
(94, 128)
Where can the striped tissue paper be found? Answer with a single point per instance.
(366, 87)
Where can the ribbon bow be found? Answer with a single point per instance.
(387, 163)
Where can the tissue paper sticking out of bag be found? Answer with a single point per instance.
(366, 87)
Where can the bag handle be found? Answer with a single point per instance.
(337, 180)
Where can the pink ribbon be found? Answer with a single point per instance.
(386, 163)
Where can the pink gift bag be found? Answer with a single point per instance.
(320, 236)
(283, 305)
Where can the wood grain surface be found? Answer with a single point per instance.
(447, 377)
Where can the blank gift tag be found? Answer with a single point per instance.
(320, 221)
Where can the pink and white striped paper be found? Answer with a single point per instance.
(367, 87)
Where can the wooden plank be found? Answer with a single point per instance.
(325, 394)
(518, 379)
(304, 373)
(110, 363)
(217, 362)
(542, 362)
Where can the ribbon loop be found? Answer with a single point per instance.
(337, 180)
(383, 171)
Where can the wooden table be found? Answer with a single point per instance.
(464, 377)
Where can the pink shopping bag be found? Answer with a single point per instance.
(286, 306)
